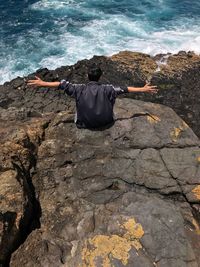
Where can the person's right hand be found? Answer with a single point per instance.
(148, 88)
(37, 83)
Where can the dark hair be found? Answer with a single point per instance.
(94, 73)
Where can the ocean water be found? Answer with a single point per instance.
(52, 33)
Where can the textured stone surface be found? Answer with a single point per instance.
(125, 196)
(18, 146)
(128, 195)
(177, 77)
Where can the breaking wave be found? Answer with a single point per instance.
(52, 33)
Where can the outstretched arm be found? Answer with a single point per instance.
(40, 83)
(147, 88)
(64, 85)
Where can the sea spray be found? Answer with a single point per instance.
(51, 33)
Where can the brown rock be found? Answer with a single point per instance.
(122, 196)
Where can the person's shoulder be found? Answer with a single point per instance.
(80, 85)
(97, 84)
(107, 85)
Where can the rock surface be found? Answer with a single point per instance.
(128, 195)
(177, 77)
(125, 196)
(18, 145)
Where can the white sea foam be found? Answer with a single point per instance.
(53, 4)
(102, 34)
(116, 33)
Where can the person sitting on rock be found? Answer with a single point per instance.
(94, 101)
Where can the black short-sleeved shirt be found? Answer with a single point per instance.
(94, 102)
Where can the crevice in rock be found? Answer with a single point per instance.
(65, 163)
(142, 147)
(136, 115)
(177, 181)
(174, 196)
(116, 185)
(194, 209)
(171, 195)
(30, 220)
(32, 210)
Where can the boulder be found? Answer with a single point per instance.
(128, 195)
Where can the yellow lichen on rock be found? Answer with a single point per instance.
(197, 228)
(104, 245)
(175, 133)
(198, 159)
(107, 247)
(134, 232)
(153, 119)
(196, 192)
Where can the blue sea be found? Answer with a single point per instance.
(51, 33)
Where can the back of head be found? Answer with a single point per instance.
(94, 73)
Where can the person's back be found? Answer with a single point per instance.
(94, 101)
(94, 105)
